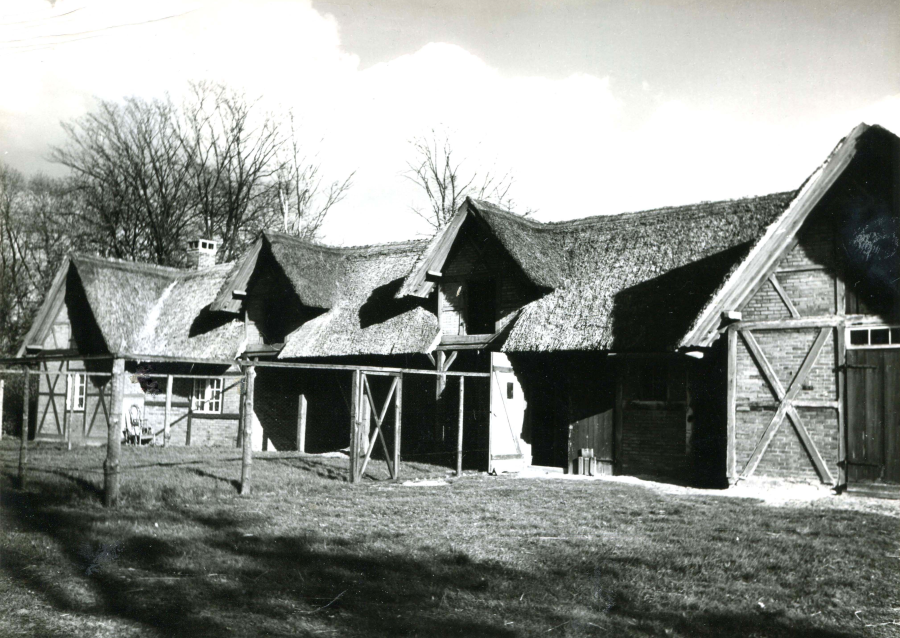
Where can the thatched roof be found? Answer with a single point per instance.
(634, 281)
(157, 311)
(357, 285)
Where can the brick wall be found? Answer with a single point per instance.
(807, 275)
(653, 442)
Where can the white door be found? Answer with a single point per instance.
(508, 450)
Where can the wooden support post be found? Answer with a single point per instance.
(355, 409)
(731, 407)
(23, 441)
(440, 383)
(2, 384)
(398, 420)
(167, 416)
(840, 362)
(618, 416)
(459, 428)
(114, 435)
(190, 418)
(301, 424)
(247, 436)
(67, 412)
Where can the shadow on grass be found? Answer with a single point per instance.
(212, 578)
(236, 484)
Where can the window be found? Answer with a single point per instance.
(207, 396)
(874, 337)
(77, 393)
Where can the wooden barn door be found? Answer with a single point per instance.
(873, 415)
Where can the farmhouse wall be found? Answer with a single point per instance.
(807, 275)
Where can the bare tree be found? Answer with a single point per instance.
(303, 197)
(151, 174)
(35, 235)
(128, 164)
(446, 182)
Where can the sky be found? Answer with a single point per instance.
(593, 107)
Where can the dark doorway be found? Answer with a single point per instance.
(481, 306)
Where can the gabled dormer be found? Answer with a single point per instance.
(480, 271)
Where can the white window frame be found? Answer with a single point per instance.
(206, 397)
(893, 341)
(76, 395)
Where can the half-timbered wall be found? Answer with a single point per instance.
(786, 386)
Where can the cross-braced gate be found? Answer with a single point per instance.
(367, 434)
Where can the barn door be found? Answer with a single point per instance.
(873, 409)
(509, 452)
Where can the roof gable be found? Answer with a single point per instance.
(768, 249)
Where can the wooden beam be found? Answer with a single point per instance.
(23, 438)
(247, 440)
(731, 417)
(840, 358)
(439, 384)
(449, 360)
(789, 269)
(355, 409)
(398, 421)
(114, 436)
(301, 424)
(167, 415)
(763, 363)
(67, 413)
(618, 417)
(2, 387)
(784, 296)
(459, 429)
(827, 321)
(367, 369)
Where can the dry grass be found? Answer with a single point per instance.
(309, 554)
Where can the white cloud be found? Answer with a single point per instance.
(565, 140)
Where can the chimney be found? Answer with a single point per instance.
(201, 254)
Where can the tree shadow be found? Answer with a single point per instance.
(213, 578)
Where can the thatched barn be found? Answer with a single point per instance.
(181, 383)
(704, 343)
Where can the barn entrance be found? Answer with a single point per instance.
(510, 447)
(873, 405)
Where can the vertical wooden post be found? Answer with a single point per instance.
(840, 361)
(459, 429)
(440, 382)
(354, 425)
(731, 416)
(618, 416)
(190, 418)
(67, 412)
(2, 384)
(398, 420)
(114, 436)
(247, 436)
(301, 424)
(167, 416)
(23, 441)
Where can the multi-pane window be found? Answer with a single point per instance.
(77, 393)
(207, 396)
(874, 337)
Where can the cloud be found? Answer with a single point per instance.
(570, 142)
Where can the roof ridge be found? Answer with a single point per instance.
(143, 266)
(612, 217)
(343, 250)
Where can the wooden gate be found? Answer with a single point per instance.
(873, 415)
(366, 409)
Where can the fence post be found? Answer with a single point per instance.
(67, 414)
(2, 383)
(301, 424)
(354, 425)
(459, 430)
(114, 436)
(167, 416)
(23, 440)
(398, 422)
(247, 436)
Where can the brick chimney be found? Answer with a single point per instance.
(202, 254)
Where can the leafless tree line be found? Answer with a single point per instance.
(152, 172)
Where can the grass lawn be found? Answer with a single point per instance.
(309, 554)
